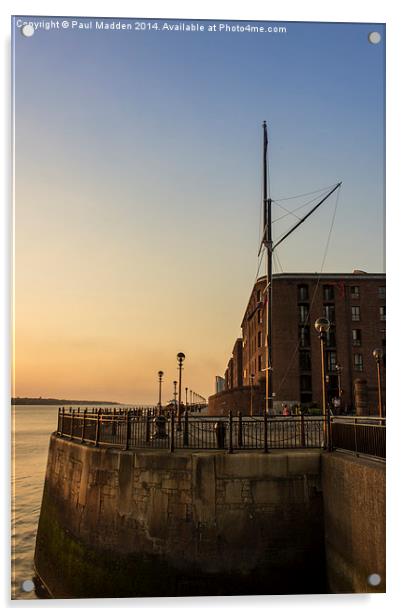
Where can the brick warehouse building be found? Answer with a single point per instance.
(355, 306)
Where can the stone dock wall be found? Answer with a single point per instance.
(152, 523)
(354, 513)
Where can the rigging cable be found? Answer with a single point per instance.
(314, 192)
(259, 266)
(297, 208)
(285, 233)
(278, 261)
(290, 363)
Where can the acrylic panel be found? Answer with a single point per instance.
(199, 307)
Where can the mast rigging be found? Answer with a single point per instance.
(267, 242)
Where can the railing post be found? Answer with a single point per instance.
(114, 423)
(355, 435)
(83, 426)
(240, 431)
(185, 432)
(265, 431)
(98, 420)
(147, 426)
(302, 431)
(128, 430)
(329, 431)
(58, 421)
(62, 421)
(172, 431)
(230, 448)
(72, 424)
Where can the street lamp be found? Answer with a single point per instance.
(186, 396)
(339, 370)
(378, 355)
(322, 326)
(160, 375)
(175, 395)
(251, 393)
(180, 358)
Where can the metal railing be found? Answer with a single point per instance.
(359, 435)
(144, 428)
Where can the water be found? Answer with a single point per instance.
(31, 429)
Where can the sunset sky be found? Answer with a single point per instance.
(138, 192)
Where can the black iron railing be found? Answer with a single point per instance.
(138, 428)
(360, 435)
(132, 428)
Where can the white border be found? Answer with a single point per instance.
(285, 10)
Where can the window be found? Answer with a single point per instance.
(259, 366)
(245, 374)
(330, 338)
(244, 342)
(259, 295)
(302, 292)
(356, 337)
(305, 382)
(358, 362)
(303, 313)
(304, 336)
(259, 339)
(305, 388)
(328, 292)
(355, 313)
(354, 292)
(259, 315)
(305, 361)
(381, 292)
(331, 360)
(329, 312)
(382, 313)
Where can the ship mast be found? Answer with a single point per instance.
(270, 247)
(267, 241)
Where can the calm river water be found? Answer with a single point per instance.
(31, 428)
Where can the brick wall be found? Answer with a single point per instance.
(289, 375)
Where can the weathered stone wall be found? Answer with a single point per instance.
(152, 523)
(354, 509)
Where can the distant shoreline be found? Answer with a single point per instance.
(44, 401)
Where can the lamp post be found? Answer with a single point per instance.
(251, 393)
(160, 375)
(378, 355)
(180, 359)
(175, 395)
(339, 370)
(186, 397)
(327, 389)
(322, 326)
